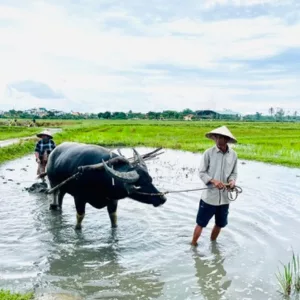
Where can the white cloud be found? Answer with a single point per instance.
(241, 3)
(99, 64)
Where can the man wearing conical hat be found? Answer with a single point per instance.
(218, 170)
(42, 150)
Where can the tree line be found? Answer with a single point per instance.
(275, 114)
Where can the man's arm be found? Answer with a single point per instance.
(204, 164)
(233, 176)
(203, 174)
(53, 145)
(36, 156)
(37, 152)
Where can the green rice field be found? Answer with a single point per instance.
(277, 143)
(7, 295)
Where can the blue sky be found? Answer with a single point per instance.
(98, 55)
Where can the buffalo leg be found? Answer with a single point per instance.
(112, 211)
(80, 209)
(61, 195)
(54, 204)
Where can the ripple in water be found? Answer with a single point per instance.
(148, 256)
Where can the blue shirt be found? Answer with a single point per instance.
(44, 145)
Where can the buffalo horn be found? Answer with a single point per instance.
(119, 151)
(139, 159)
(128, 177)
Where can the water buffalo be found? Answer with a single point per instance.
(98, 186)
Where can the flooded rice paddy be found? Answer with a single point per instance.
(149, 255)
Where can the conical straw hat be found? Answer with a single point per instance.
(45, 132)
(223, 130)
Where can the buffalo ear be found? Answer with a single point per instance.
(128, 177)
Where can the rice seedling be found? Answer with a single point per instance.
(285, 279)
(296, 269)
(275, 143)
(7, 132)
(7, 295)
(16, 150)
(266, 142)
(289, 277)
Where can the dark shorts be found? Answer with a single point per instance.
(207, 211)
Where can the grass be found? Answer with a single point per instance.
(296, 269)
(17, 150)
(289, 277)
(7, 132)
(51, 122)
(7, 295)
(285, 279)
(276, 143)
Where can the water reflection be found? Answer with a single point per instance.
(211, 273)
(79, 261)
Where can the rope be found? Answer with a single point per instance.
(75, 176)
(237, 190)
(230, 191)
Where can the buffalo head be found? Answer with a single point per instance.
(137, 181)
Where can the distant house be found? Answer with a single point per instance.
(56, 112)
(188, 117)
(41, 111)
(218, 114)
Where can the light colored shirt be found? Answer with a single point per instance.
(220, 166)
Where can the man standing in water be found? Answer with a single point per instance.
(218, 170)
(42, 150)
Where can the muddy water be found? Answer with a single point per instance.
(149, 256)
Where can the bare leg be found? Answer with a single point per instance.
(215, 233)
(38, 172)
(197, 233)
(41, 169)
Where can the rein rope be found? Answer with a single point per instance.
(232, 193)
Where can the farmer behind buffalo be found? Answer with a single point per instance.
(42, 150)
